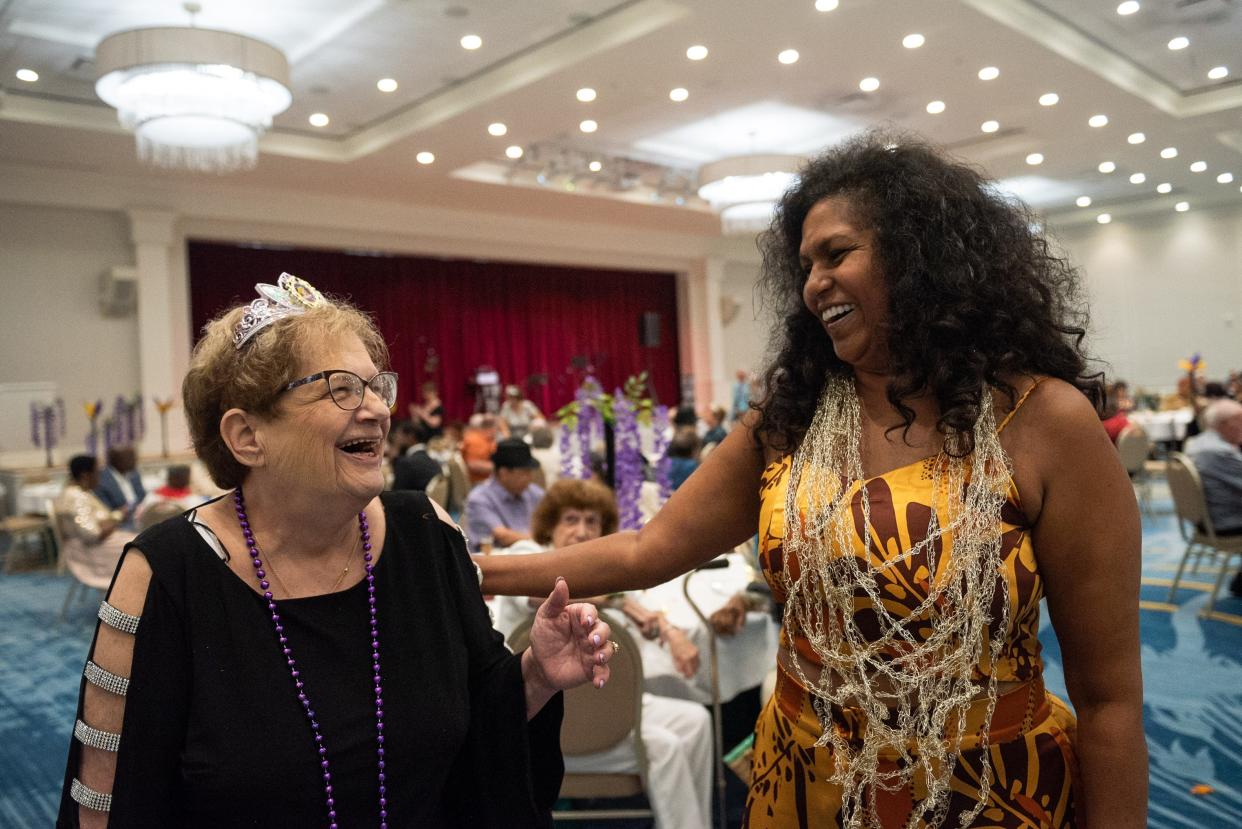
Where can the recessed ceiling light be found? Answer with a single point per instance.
(788, 56)
(425, 157)
(1138, 178)
(1098, 121)
(990, 126)
(1127, 8)
(1136, 138)
(27, 75)
(471, 42)
(513, 152)
(1224, 178)
(1178, 43)
(696, 52)
(679, 94)
(1104, 218)
(386, 85)
(1049, 99)
(318, 119)
(588, 126)
(935, 107)
(1083, 201)
(497, 129)
(1035, 158)
(1164, 187)
(913, 41)
(1218, 72)
(1107, 167)
(595, 166)
(1182, 206)
(826, 5)
(586, 94)
(1198, 167)
(869, 84)
(1169, 152)
(989, 73)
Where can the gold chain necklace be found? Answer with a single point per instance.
(285, 587)
(914, 689)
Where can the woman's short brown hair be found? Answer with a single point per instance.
(252, 378)
(570, 493)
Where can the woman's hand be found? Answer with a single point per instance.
(684, 652)
(647, 621)
(568, 647)
(731, 617)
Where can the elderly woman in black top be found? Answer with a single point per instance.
(304, 651)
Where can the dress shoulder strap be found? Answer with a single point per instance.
(1018, 405)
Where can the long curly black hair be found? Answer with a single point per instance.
(976, 293)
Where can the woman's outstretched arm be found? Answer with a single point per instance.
(716, 509)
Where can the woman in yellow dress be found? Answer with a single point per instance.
(925, 465)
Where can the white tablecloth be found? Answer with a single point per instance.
(33, 498)
(1163, 426)
(744, 659)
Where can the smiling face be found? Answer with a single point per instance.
(575, 526)
(845, 287)
(313, 444)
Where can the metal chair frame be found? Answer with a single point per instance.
(1196, 526)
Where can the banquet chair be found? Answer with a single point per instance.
(459, 484)
(1195, 524)
(21, 530)
(438, 489)
(157, 512)
(1134, 447)
(83, 579)
(584, 732)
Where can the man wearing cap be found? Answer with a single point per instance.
(501, 506)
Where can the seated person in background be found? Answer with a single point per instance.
(1216, 455)
(517, 412)
(120, 486)
(478, 444)
(715, 425)
(677, 733)
(93, 544)
(1121, 391)
(428, 415)
(175, 491)
(500, 508)
(683, 453)
(415, 468)
(401, 437)
(1113, 417)
(543, 447)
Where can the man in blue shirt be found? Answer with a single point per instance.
(1219, 461)
(500, 508)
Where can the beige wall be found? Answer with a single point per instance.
(51, 326)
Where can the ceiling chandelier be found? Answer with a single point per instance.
(745, 188)
(196, 99)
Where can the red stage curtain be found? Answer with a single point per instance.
(527, 321)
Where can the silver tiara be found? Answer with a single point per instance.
(289, 297)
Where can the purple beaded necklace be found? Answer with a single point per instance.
(239, 504)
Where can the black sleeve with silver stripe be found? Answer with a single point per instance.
(93, 737)
(118, 619)
(88, 797)
(105, 679)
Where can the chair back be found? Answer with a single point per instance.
(459, 483)
(1134, 447)
(157, 512)
(438, 489)
(1187, 489)
(49, 506)
(583, 730)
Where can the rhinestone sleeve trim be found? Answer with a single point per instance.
(106, 680)
(118, 619)
(91, 799)
(93, 737)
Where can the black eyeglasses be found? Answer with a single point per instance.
(348, 389)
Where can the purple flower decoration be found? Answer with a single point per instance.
(629, 462)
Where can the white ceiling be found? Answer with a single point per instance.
(537, 53)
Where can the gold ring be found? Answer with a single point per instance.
(616, 647)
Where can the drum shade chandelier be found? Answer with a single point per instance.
(196, 99)
(745, 188)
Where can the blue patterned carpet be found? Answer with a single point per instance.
(1192, 671)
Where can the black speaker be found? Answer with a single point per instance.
(649, 330)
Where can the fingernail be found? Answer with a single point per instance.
(595, 639)
(558, 580)
(590, 620)
(599, 683)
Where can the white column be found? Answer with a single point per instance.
(701, 330)
(159, 353)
